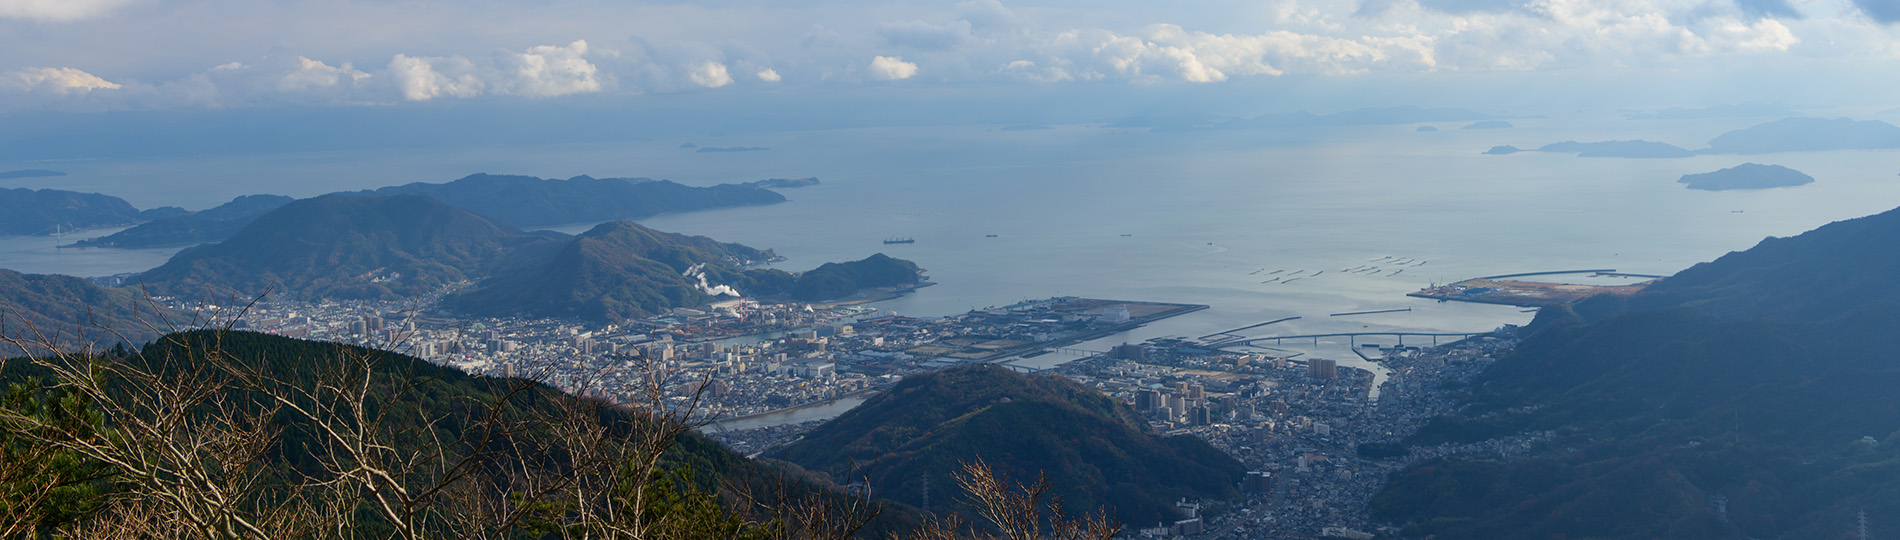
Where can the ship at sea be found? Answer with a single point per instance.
(900, 240)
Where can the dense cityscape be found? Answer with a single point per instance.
(1302, 425)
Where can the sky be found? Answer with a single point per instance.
(65, 57)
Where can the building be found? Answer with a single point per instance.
(1321, 368)
(1147, 400)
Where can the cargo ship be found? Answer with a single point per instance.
(900, 240)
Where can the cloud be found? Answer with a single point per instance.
(710, 74)
(311, 74)
(550, 70)
(1462, 7)
(1885, 11)
(54, 80)
(426, 78)
(58, 10)
(892, 68)
(768, 75)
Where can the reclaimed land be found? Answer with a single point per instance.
(1510, 292)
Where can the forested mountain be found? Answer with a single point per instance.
(347, 246)
(1096, 451)
(72, 312)
(32, 212)
(526, 201)
(209, 225)
(1745, 397)
(615, 271)
(468, 455)
(621, 269)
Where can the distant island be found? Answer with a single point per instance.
(1619, 149)
(29, 173)
(785, 183)
(1026, 127)
(1719, 111)
(1427, 129)
(711, 149)
(1746, 176)
(1806, 135)
(1488, 124)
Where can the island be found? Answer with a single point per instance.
(1746, 176)
(1807, 135)
(785, 183)
(1621, 149)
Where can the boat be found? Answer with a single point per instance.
(989, 236)
(900, 240)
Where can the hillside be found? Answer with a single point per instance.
(837, 280)
(73, 312)
(1095, 450)
(346, 247)
(620, 270)
(526, 201)
(615, 271)
(440, 396)
(1758, 381)
(209, 225)
(36, 212)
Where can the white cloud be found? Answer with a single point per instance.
(550, 70)
(768, 75)
(58, 10)
(310, 74)
(54, 80)
(710, 74)
(426, 78)
(892, 68)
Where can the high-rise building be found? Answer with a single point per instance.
(1321, 368)
(1196, 391)
(1147, 400)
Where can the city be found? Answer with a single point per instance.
(1319, 438)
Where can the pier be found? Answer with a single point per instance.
(1349, 313)
(1352, 337)
(1230, 333)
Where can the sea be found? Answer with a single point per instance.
(1200, 217)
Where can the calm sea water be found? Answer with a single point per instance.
(1198, 217)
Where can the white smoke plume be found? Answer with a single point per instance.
(699, 271)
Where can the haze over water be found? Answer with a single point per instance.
(1208, 215)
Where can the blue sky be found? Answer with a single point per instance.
(134, 55)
